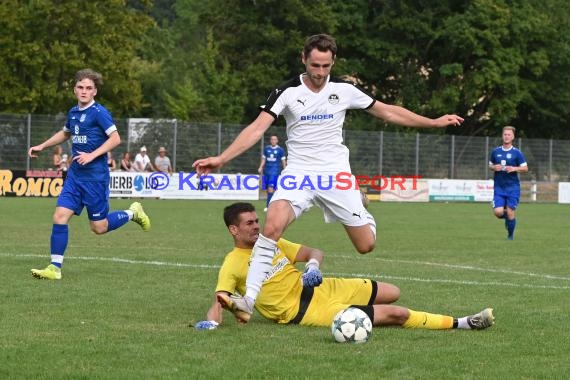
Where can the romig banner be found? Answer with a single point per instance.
(31, 183)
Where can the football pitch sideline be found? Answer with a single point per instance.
(127, 298)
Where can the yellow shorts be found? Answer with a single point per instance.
(334, 295)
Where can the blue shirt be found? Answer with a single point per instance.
(273, 157)
(89, 128)
(507, 183)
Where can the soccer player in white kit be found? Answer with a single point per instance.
(314, 106)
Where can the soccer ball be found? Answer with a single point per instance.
(351, 325)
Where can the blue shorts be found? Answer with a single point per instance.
(510, 201)
(78, 194)
(269, 181)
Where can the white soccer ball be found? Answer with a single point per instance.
(351, 325)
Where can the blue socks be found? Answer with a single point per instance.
(60, 235)
(117, 219)
(59, 238)
(511, 224)
(269, 196)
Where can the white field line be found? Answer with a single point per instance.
(364, 275)
(465, 267)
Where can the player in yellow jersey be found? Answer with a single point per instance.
(291, 296)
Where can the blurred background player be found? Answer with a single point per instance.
(273, 161)
(507, 161)
(290, 296)
(93, 133)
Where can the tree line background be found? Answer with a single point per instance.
(494, 62)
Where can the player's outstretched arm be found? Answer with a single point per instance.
(56, 139)
(245, 140)
(213, 316)
(406, 118)
(313, 258)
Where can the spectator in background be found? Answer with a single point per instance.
(60, 161)
(126, 163)
(111, 162)
(162, 162)
(142, 161)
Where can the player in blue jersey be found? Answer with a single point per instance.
(507, 161)
(272, 161)
(93, 133)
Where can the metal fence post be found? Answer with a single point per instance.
(417, 154)
(381, 152)
(29, 140)
(486, 158)
(452, 163)
(219, 140)
(175, 138)
(551, 144)
(128, 121)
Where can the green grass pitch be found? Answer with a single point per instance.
(123, 308)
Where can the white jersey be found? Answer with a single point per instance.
(314, 122)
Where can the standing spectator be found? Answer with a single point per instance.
(162, 162)
(111, 162)
(93, 133)
(126, 163)
(507, 161)
(142, 161)
(272, 161)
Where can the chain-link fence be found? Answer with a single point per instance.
(371, 153)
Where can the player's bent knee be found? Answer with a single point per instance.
(499, 213)
(387, 293)
(99, 228)
(364, 248)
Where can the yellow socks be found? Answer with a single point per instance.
(423, 320)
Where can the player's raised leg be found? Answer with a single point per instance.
(279, 215)
(96, 200)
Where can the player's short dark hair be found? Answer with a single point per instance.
(233, 211)
(96, 77)
(321, 42)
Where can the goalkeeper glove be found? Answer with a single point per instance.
(312, 276)
(206, 325)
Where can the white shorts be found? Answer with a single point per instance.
(343, 204)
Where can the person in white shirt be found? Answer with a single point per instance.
(142, 161)
(314, 106)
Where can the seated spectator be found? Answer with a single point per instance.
(111, 162)
(162, 162)
(126, 163)
(142, 162)
(60, 161)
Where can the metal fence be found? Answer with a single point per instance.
(371, 153)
